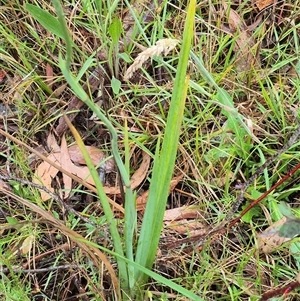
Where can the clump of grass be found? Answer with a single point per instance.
(231, 124)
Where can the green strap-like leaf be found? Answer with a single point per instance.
(45, 19)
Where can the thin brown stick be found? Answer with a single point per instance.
(53, 195)
(280, 291)
(75, 178)
(214, 233)
(259, 171)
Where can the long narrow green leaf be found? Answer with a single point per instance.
(176, 287)
(46, 19)
(101, 193)
(65, 31)
(129, 197)
(226, 102)
(164, 163)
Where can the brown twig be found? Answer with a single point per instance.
(214, 233)
(254, 203)
(280, 291)
(259, 171)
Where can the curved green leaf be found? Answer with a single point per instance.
(45, 19)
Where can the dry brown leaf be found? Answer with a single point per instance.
(136, 179)
(184, 226)
(244, 41)
(45, 173)
(66, 163)
(27, 244)
(142, 199)
(176, 219)
(82, 172)
(261, 4)
(52, 143)
(49, 75)
(96, 156)
(269, 240)
(141, 172)
(58, 91)
(180, 213)
(115, 206)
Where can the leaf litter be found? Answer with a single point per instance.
(278, 233)
(45, 172)
(71, 160)
(244, 41)
(182, 214)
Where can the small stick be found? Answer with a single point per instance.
(283, 291)
(54, 196)
(254, 203)
(260, 170)
(213, 233)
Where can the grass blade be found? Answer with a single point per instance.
(46, 19)
(165, 161)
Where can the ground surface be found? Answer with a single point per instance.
(251, 50)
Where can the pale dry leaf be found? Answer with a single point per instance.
(136, 179)
(27, 244)
(83, 173)
(163, 46)
(45, 173)
(58, 91)
(179, 213)
(175, 181)
(184, 226)
(97, 156)
(52, 143)
(66, 163)
(142, 199)
(141, 172)
(269, 239)
(244, 42)
(49, 75)
(261, 4)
